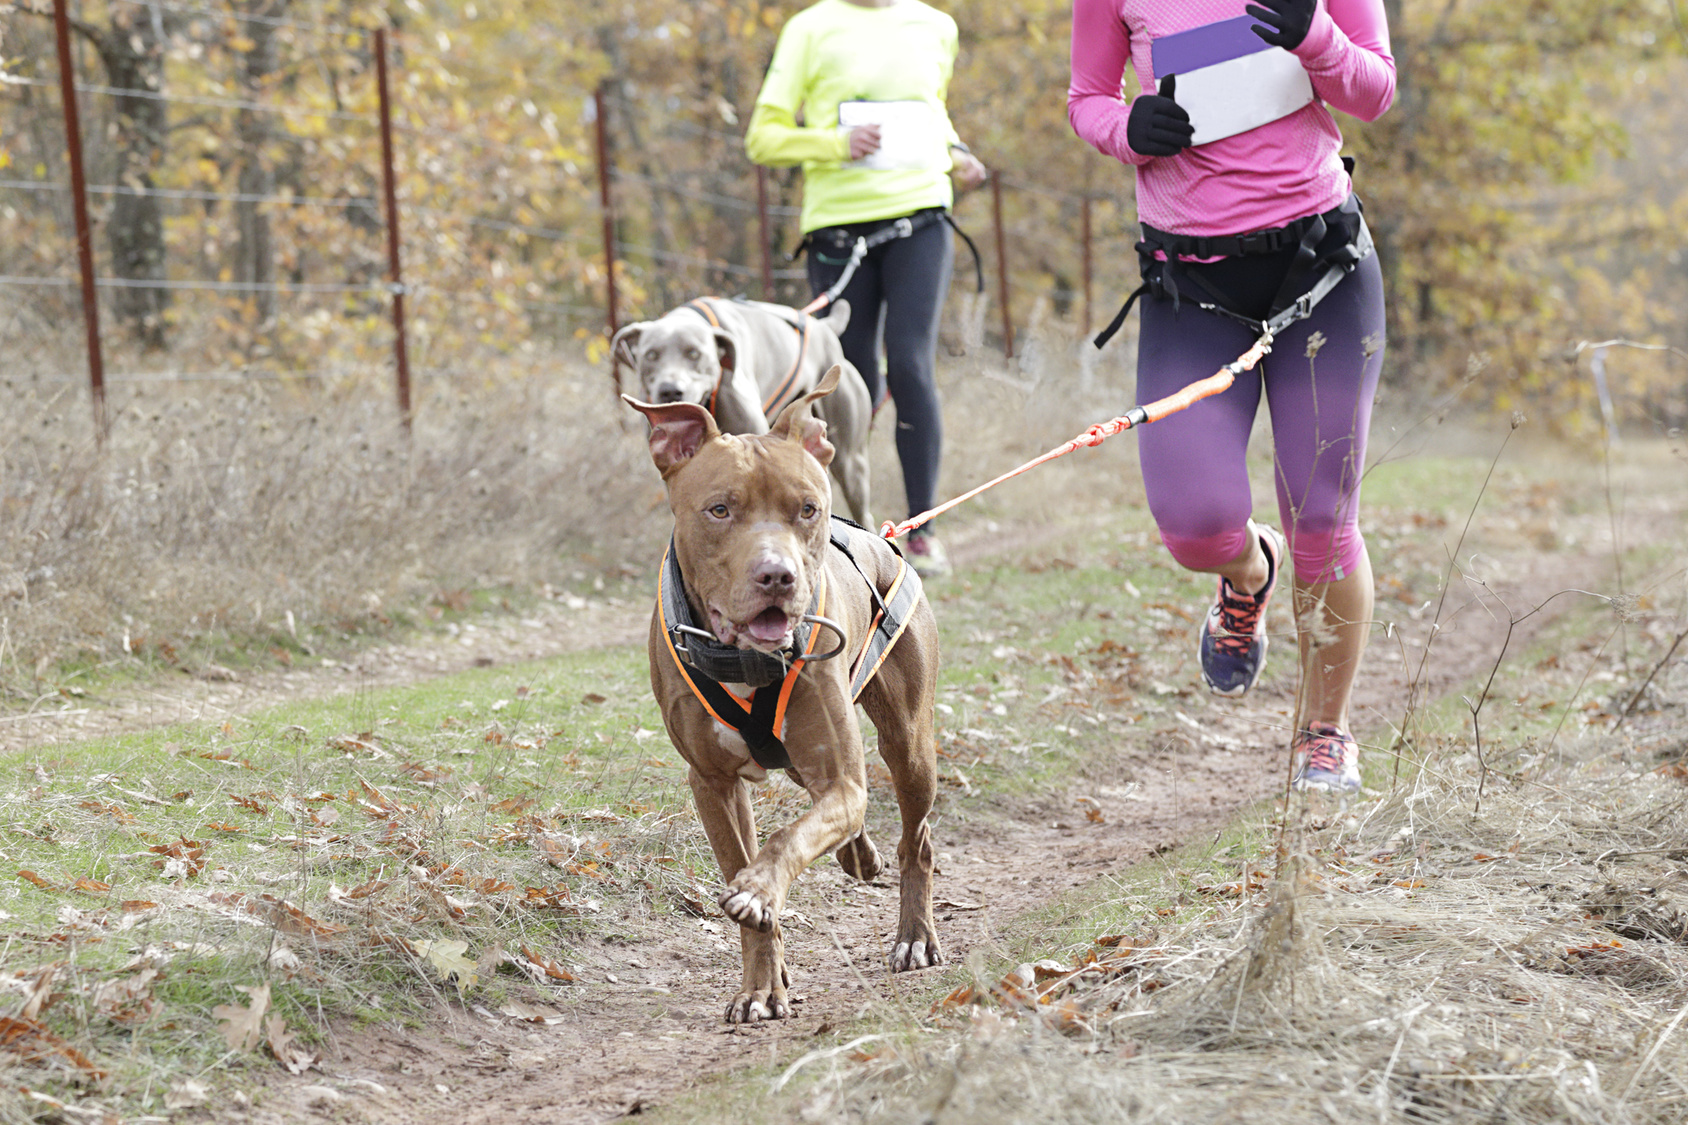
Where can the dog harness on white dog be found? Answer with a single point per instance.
(776, 401)
(705, 664)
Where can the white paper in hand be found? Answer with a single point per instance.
(910, 134)
(1229, 79)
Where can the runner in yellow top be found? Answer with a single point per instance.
(877, 145)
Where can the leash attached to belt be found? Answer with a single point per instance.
(1160, 255)
(897, 228)
(706, 664)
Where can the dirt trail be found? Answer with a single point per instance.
(645, 1023)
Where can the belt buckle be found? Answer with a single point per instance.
(1254, 244)
(903, 226)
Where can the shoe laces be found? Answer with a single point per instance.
(1239, 617)
(1326, 746)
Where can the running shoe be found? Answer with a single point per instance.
(1233, 636)
(926, 554)
(1327, 758)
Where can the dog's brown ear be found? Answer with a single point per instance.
(678, 431)
(797, 423)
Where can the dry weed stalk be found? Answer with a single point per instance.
(1411, 963)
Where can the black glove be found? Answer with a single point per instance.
(1288, 21)
(1158, 126)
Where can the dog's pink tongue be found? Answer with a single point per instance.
(770, 626)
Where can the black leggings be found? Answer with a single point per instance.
(901, 283)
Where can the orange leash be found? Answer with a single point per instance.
(1216, 383)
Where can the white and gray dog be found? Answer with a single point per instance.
(744, 361)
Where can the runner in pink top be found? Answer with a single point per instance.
(1245, 201)
(1254, 180)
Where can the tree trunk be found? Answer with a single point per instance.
(662, 230)
(255, 255)
(132, 51)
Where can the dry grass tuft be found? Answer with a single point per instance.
(1408, 961)
(266, 510)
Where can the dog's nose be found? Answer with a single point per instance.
(773, 574)
(669, 392)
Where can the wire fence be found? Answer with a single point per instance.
(319, 222)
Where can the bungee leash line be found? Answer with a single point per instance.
(1216, 383)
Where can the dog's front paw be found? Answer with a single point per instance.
(750, 907)
(916, 953)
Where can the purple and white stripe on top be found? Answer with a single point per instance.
(1263, 177)
(1230, 80)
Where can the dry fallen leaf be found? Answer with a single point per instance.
(555, 851)
(41, 992)
(289, 919)
(183, 858)
(545, 965)
(127, 1000)
(960, 998)
(30, 1043)
(243, 1028)
(449, 960)
(286, 1048)
(186, 1094)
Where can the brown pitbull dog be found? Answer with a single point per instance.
(773, 619)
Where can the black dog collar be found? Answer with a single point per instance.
(724, 664)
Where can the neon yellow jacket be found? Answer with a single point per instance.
(835, 51)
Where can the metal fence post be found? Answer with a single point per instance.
(1086, 236)
(606, 203)
(766, 234)
(1002, 267)
(396, 283)
(79, 206)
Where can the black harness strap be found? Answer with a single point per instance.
(755, 726)
(892, 612)
(706, 664)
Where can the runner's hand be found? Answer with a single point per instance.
(967, 170)
(1159, 126)
(864, 141)
(1288, 21)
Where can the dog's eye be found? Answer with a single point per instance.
(692, 354)
(653, 355)
(810, 510)
(719, 511)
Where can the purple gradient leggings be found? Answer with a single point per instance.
(1319, 382)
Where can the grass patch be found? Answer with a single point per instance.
(335, 850)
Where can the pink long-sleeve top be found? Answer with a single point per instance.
(1264, 178)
